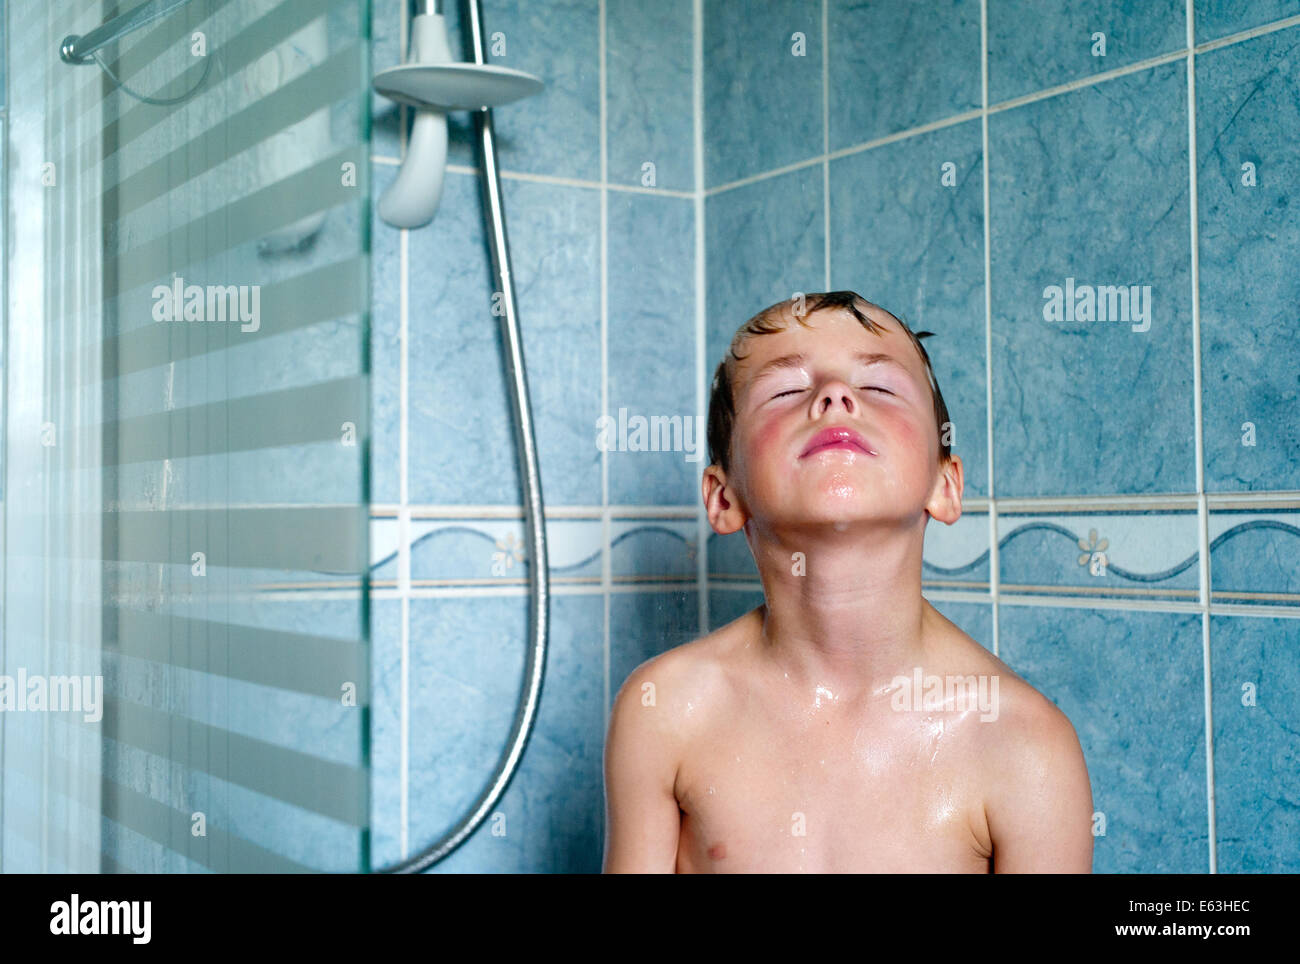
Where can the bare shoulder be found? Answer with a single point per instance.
(683, 679)
(1037, 795)
(650, 727)
(1023, 714)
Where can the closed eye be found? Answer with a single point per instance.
(795, 391)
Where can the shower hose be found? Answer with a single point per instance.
(526, 447)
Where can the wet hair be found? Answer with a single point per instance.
(776, 318)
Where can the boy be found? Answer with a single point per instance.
(798, 737)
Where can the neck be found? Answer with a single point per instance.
(847, 619)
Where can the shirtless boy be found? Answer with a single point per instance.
(796, 738)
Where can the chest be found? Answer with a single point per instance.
(771, 794)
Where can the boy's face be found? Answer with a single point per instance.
(782, 408)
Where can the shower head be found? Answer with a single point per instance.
(434, 82)
(455, 86)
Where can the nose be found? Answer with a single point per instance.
(836, 393)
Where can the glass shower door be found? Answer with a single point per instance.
(184, 625)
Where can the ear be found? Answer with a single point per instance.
(945, 500)
(726, 514)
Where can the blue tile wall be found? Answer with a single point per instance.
(773, 233)
(1256, 764)
(651, 346)
(1219, 18)
(895, 66)
(933, 279)
(1126, 140)
(1036, 44)
(649, 113)
(1078, 558)
(1247, 124)
(762, 87)
(1132, 685)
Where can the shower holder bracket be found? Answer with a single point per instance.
(433, 83)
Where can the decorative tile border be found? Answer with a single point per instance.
(1255, 557)
(1103, 553)
(1148, 554)
(471, 551)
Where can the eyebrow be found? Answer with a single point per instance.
(797, 359)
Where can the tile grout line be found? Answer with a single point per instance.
(729, 583)
(699, 196)
(702, 388)
(1011, 104)
(605, 526)
(826, 150)
(403, 497)
(1238, 502)
(988, 327)
(1202, 508)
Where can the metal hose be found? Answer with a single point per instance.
(538, 564)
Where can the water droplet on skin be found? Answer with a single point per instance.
(710, 790)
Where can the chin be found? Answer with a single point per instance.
(856, 508)
(843, 490)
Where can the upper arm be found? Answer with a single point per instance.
(1040, 813)
(642, 818)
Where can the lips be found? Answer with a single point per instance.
(837, 436)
